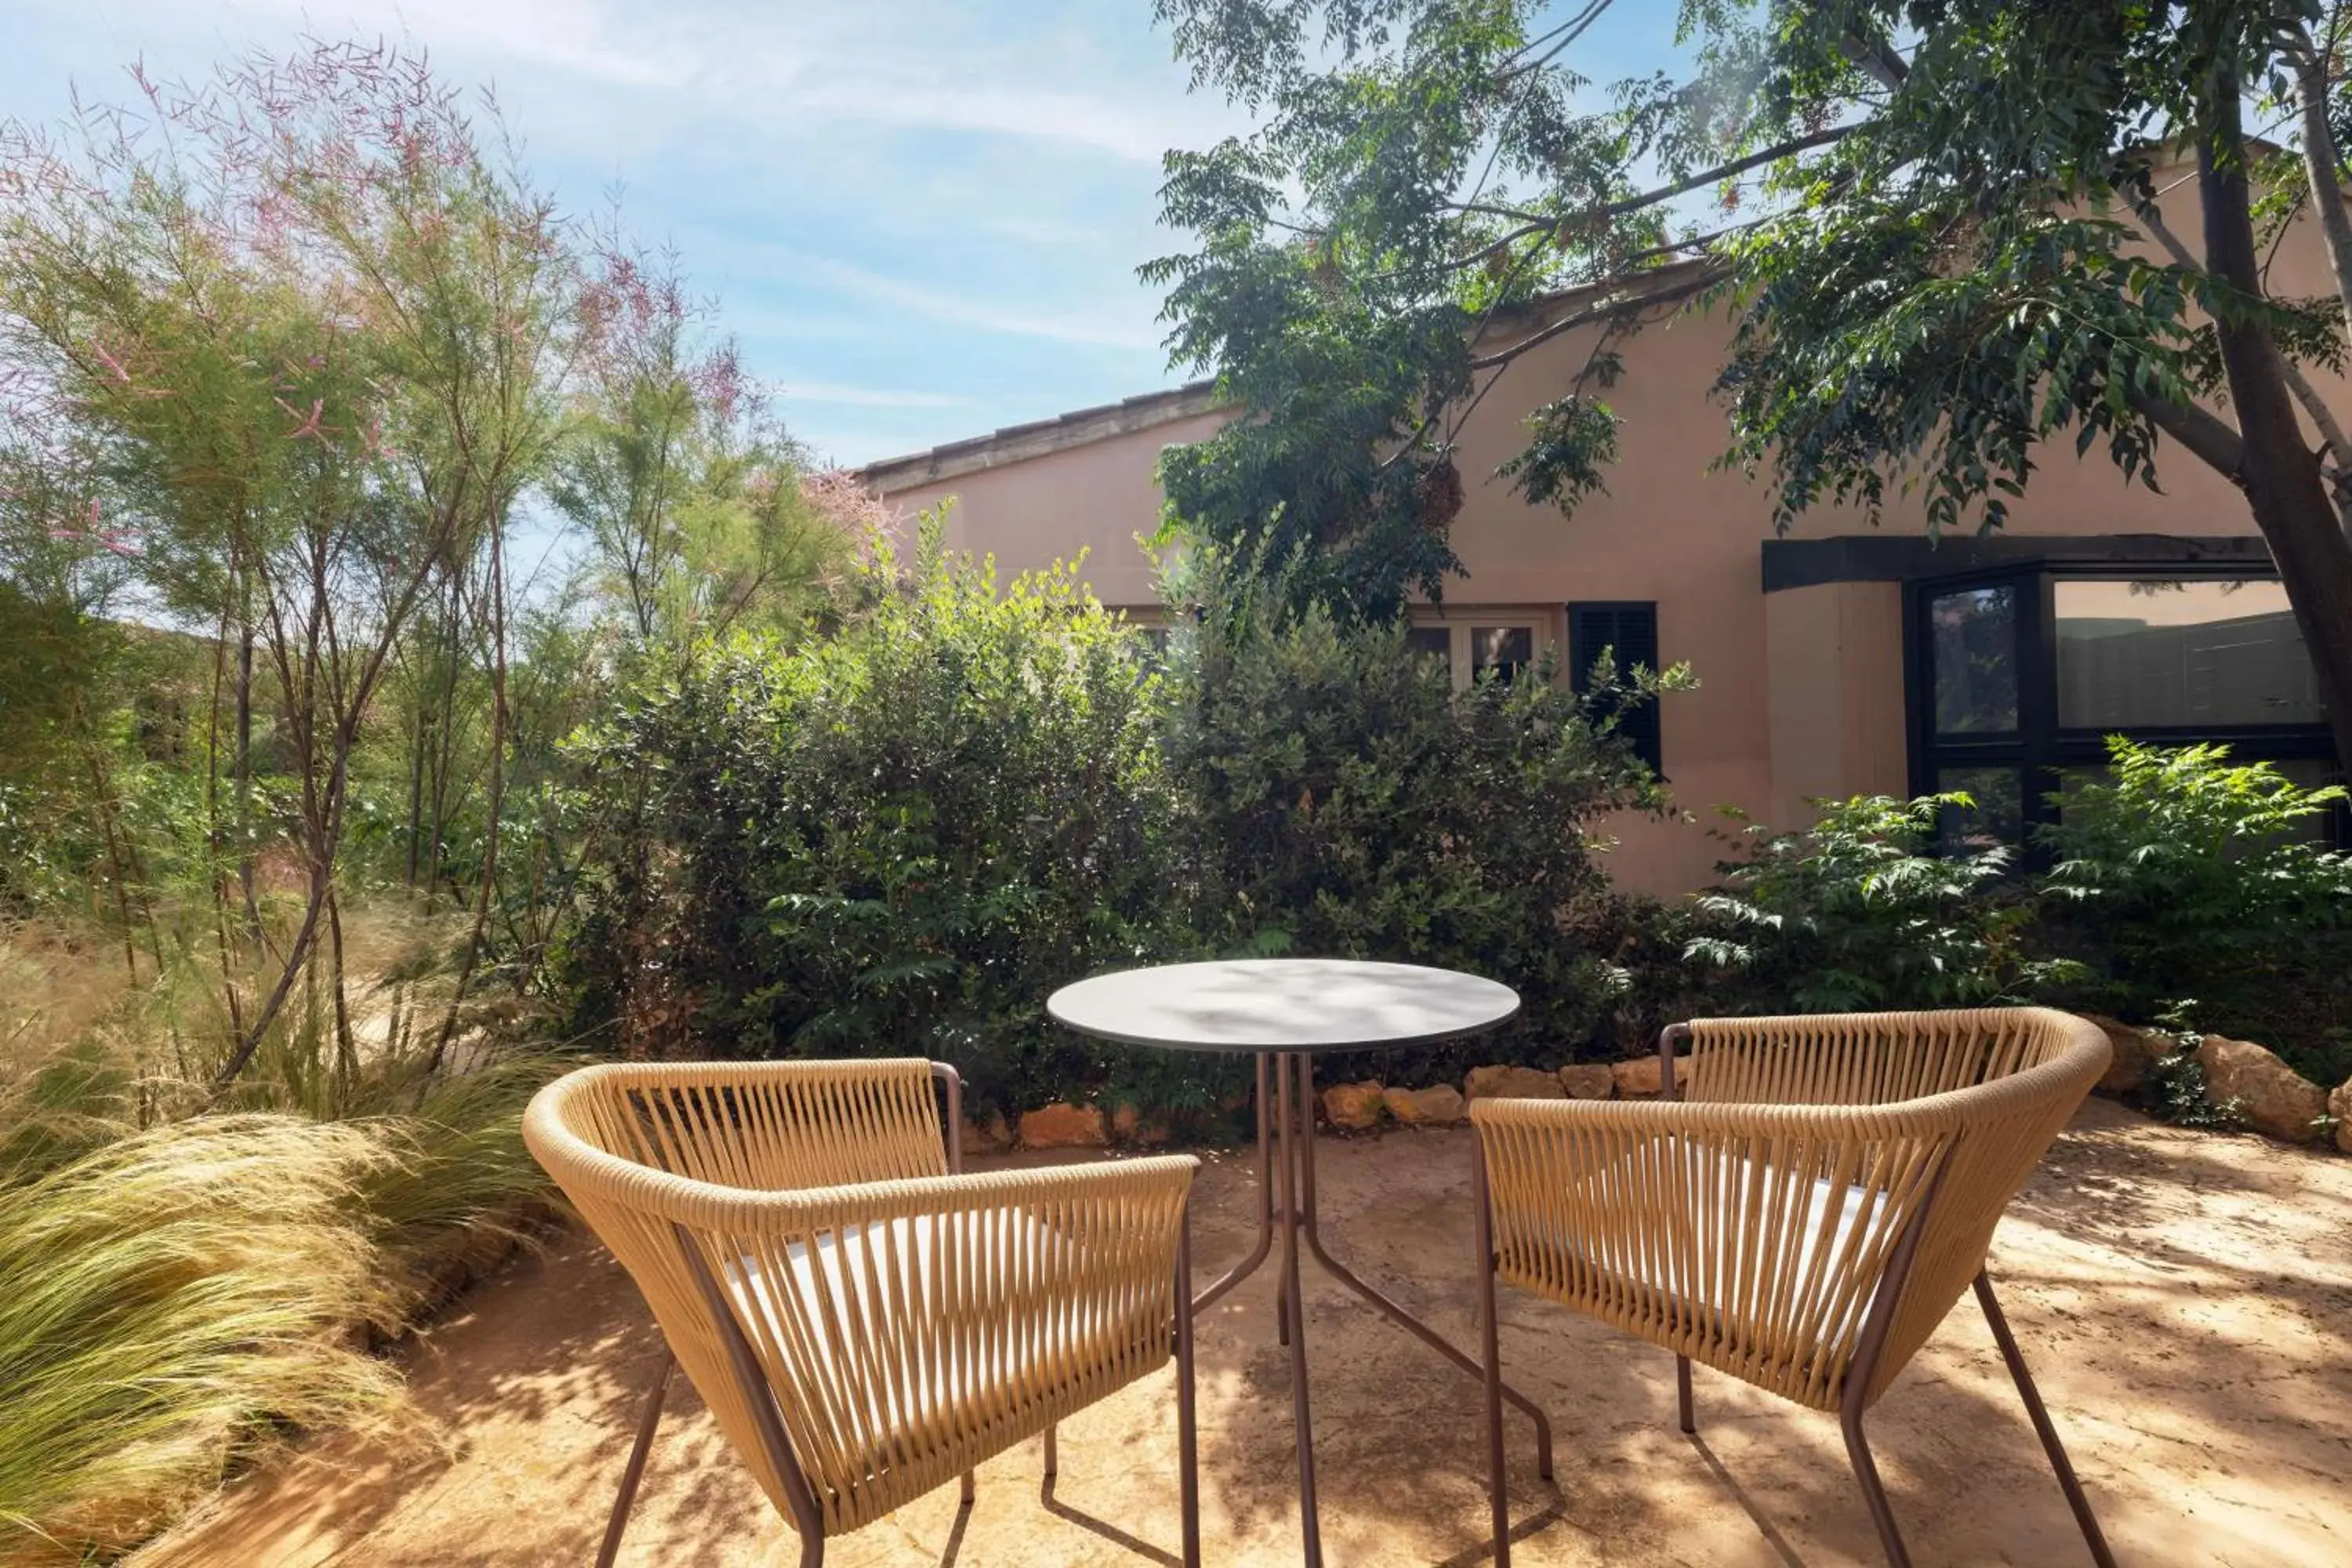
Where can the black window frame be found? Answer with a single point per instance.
(1643, 725)
(2042, 748)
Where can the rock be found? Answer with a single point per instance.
(1644, 1076)
(1417, 1107)
(987, 1137)
(2339, 1105)
(1512, 1083)
(2275, 1100)
(2137, 1050)
(1062, 1126)
(1588, 1081)
(1353, 1104)
(1127, 1125)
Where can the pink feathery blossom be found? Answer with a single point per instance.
(310, 425)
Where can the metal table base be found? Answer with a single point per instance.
(1286, 1164)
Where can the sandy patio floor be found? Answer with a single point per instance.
(2185, 1300)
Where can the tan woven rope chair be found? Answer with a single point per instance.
(865, 1321)
(1800, 1216)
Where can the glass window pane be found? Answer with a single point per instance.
(1972, 642)
(1432, 642)
(2174, 651)
(1998, 817)
(1505, 650)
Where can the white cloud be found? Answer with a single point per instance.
(1099, 329)
(921, 216)
(866, 396)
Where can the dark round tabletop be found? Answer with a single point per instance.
(1283, 1005)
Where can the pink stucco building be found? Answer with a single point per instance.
(1837, 660)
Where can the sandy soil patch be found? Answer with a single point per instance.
(2185, 1300)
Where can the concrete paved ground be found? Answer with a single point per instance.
(2185, 1299)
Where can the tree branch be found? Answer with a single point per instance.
(2332, 436)
(2203, 433)
(2320, 162)
(1702, 279)
(1557, 222)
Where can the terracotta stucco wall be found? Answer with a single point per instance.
(1799, 692)
(1100, 498)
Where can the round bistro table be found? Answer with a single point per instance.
(1284, 1011)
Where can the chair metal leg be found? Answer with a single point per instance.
(1188, 1457)
(635, 1469)
(1682, 1396)
(1498, 1494)
(2042, 1426)
(1874, 1492)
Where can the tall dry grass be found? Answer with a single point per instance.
(168, 1297)
(184, 1273)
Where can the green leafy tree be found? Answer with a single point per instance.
(1938, 220)
(679, 476)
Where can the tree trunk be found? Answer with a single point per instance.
(2280, 475)
(244, 783)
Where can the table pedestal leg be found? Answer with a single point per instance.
(1285, 1140)
(1292, 1314)
(1265, 1205)
(1388, 1309)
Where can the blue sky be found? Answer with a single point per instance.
(922, 217)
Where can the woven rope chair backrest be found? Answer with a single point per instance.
(1863, 1058)
(769, 1126)
(895, 1313)
(1698, 1223)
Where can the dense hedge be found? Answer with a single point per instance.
(903, 838)
(1339, 797)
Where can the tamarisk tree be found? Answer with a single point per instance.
(283, 348)
(1937, 222)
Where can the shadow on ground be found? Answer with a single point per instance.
(2181, 1296)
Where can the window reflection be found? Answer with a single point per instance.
(1972, 639)
(1432, 642)
(1502, 650)
(2171, 652)
(1996, 818)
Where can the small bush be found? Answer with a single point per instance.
(896, 841)
(1340, 798)
(1858, 912)
(2183, 879)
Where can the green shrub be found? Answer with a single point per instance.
(898, 840)
(902, 839)
(1858, 912)
(2186, 880)
(1339, 798)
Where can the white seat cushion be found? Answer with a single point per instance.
(938, 1327)
(1698, 1251)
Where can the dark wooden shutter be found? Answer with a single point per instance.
(1631, 628)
